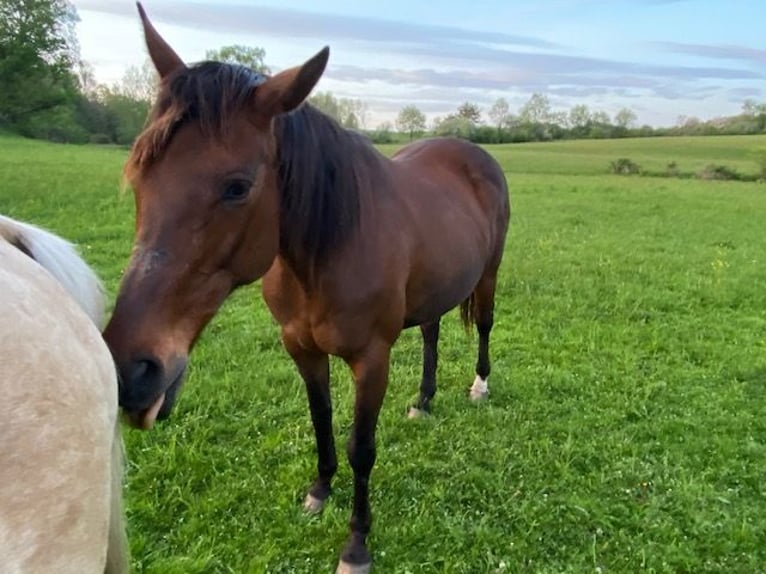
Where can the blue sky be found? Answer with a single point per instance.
(661, 58)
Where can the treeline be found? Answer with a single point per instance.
(537, 121)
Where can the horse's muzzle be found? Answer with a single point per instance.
(148, 390)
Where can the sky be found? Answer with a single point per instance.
(663, 59)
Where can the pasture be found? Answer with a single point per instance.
(626, 426)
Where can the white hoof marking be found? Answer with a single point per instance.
(312, 504)
(479, 389)
(416, 413)
(346, 568)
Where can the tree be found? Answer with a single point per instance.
(139, 83)
(470, 112)
(249, 56)
(125, 115)
(353, 113)
(347, 112)
(500, 113)
(38, 52)
(411, 121)
(601, 118)
(454, 125)
(625, 118)
(752, 108)
(327, 103)
(536, 111)
(600, 125)
(579, 117)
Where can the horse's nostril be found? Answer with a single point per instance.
(144, 372)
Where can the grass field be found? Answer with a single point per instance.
(626, 430)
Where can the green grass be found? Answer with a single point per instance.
(626, 430)
(592, 157)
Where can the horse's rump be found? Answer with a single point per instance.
(58, 421)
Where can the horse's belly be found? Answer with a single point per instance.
(429, 299)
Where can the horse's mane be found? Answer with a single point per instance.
(325, 173)
(324, 169)
(60, 259)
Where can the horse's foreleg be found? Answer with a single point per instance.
(430, 332)
(370, 370)
(314, 367)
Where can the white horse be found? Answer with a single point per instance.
(60, 447)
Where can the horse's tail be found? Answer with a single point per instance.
(468, 311)
(117, 553)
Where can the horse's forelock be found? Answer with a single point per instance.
(209, 93)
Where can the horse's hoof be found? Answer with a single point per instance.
(313, 505)
(479, 390)
(347, 568)
(416, 413)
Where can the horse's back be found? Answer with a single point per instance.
(57, 425)
(462, 159)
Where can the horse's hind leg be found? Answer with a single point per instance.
(483, 315)
(430, 333)
(314, 368)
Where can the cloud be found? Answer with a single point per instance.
(530, 58)
(739, 94)
(554, 81)
(388, 63)
(719, 52)
(282, 22)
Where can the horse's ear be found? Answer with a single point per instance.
(287, 90)
(165, 60)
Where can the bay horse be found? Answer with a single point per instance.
(60, 447)
(235, 178)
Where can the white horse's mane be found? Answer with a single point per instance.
(61, 259)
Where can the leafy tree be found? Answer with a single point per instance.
(347, 112)
(536, 111)
(38, 52)
(753, 108)
(470, 112)
(353, 113)
(125, 116)
(600, 125)
(625, 118)
(249, 56)
(579, 116)
(754, 115)
(601, 118)
(139, 83)
(327, 103)
(411, 121)
(454, 125)
(500, 115)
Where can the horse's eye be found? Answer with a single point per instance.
(236, 190)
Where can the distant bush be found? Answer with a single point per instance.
(718, 172)
(624, 166)
(671, 170)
